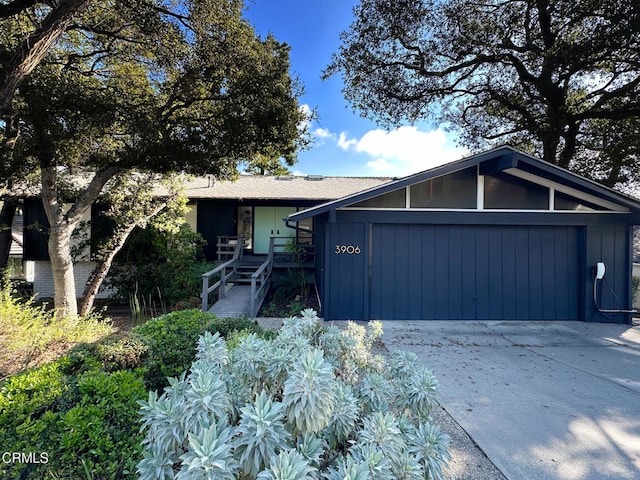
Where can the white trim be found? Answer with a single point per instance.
(568, 190)
(480, 188)
(407, 197)
(552, 198)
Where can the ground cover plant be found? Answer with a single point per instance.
(312, 402)
(81, 409)
(30, 334)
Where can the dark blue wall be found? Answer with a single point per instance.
(505, 266)
(610, 244)
(444, 272)
(346, 282)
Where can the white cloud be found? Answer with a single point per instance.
(380, 165)
(403, 151)
(345, 144)
(306, 123)
(323, 133)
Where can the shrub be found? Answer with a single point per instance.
(81, 409)
(169, 272)
(310, 403)
(88, 422)
(30, 331)
(171, 341)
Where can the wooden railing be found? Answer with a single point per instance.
(260, 282)
(226, 246)
(221, 284)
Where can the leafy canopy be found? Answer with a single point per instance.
(557, 78)
(153, 85)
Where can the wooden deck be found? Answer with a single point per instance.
(234, 304)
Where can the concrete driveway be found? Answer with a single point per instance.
(544, 400)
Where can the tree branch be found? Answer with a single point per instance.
(35, 47)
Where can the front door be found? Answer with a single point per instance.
(268, 222)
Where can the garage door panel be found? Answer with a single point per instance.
(468, 300)
(522, 273)
(481, 293)
(479, 272)
(494, 278)
(510, 293)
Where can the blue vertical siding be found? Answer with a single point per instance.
(608, 244)
(346, 283)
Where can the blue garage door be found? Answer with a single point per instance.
(444, 272)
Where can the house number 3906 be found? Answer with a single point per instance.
(348, 249)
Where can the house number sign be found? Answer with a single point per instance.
(347, 249)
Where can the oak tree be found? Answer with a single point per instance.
(148, 86)
(557, 78)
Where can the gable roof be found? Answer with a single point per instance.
(289, 187)
(495, 160)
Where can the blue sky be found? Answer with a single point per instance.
(345, 144)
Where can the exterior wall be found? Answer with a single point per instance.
(610, 244)
(636, 273)
(346, 281)
(600, 237)
(43, 279)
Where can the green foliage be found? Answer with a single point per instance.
(171, 340)
(309, 403)
(82, 409)
(81, 422)
(169, 272)
(504, 72)
(29, 330)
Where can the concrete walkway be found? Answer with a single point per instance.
(544, 400)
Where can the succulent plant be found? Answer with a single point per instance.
(288, 466)
(379, 465)
(430, 447)
(162, 420)
(205, 397)
(212, 347)
(348, 469)
(244, 405)
(311, 448)
(381, 430)
(260, 435)
(209, 455)
(156, 464)
(309, 393)
(419, 393)
(344, 418)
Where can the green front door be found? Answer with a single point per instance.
(268, 222)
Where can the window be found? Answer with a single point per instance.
(502, 191)
(395, 199)
(245, 225)
(456, 190)
(562, 201)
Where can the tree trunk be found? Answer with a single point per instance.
(7, 213)
(64, 283)
(35, 47)
(99, 274)
(62, 226)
